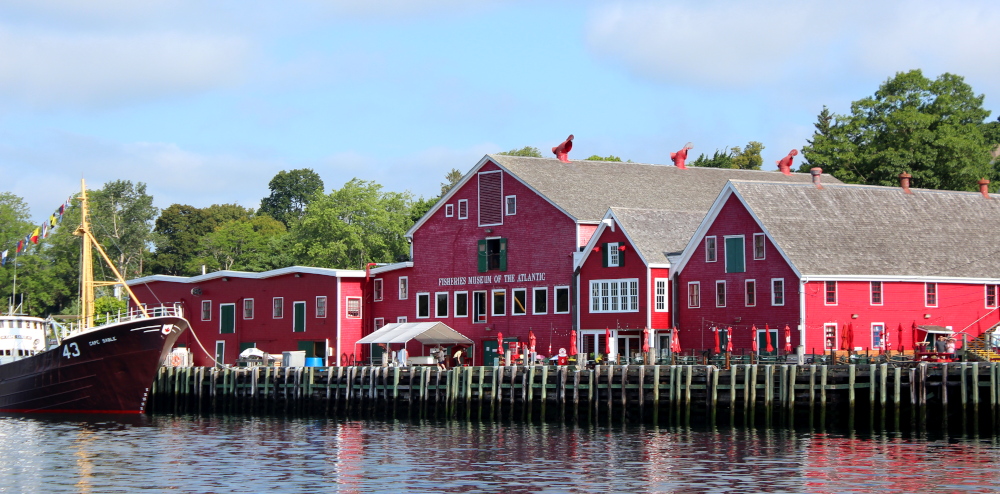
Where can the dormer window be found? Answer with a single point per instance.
(613, 254)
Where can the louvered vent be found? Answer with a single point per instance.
(490, 198)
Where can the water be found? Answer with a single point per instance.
(260, 454)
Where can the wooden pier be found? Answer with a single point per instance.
(631, 392)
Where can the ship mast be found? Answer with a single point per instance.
(87, 283)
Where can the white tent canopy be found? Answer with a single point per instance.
(428, 333)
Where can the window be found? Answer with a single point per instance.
(830, 336)
(720, 293)
(206, 310)
(491, 198)
(377, 290)
(441, 304)
(321, 307)
(758, 246)
(449, 210)
(831, 293)
(227, 318)
(520, 301)
(541, 300)
(710, 251)
(930, 294)
(353, 307)
(694, 294)
(463, 209)
(613, 254)
(614, 295)
(403, 289)
(876, 292)
(511, 202)
(248, 308)
(379, 322)
(401, 319)
(423, 305)
(499, 302)
(661, 303)
(277, 308)
(750, 296)
(479, 306)
(777, 291)
(735, 255)
(461, 304)
(991, 296)
(492, 255)
(878, 331)
(562, 300)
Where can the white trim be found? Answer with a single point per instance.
(613, 296)
(836, 336)
(871, 293)
(275, 302)
(376, 321)
(697, 287)
(614, 255)
(836, 294)
(305, 318)
(203, 302)
(347, 307)
(513, 301)
(245, 318)
(417, 306)
(937, 295)
(437, 303)
(724, 294)
(773, 292)
(871, 335)
(486, 307)
(378, 290)
(657, 296)
(401, 293)
(493, 305)
(325, 305)
(555, 299)
(507, 210)
(230, 304)
(337, 273)
(390, 267)
(534, 300)
(580, 258)
(449, 210)
(986, 292)
(763, 247)
(463, 202)
(479, 199)
(401, 319)
(743, 251)
(220, 357)
(467, 304)
(746, 300)
(907, 279)
(714, 250)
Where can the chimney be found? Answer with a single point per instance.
(984, 187)
(562, 150)
(816, 172)
(904, 182)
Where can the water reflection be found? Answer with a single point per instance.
(244, 454)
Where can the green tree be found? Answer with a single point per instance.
(354, 225)
(180, 228)
(243, 244)
(291, 192)
(610, 157)
(746, 158)
(933, 129)
(527, 151)
(720, 159)
(108, 307)
(122, 218)
(451, 179)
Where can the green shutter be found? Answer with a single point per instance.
(604, 255)
(299, 317)
(503, 254)
(227, 318)
(735, 255)
(483, 260)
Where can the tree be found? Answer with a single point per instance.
(451, 179)
(122, 217)
(747, 158)
(932, 129)
(720, 159)
(291, 192)
(527, 151)
(610, 157)
(15, 219)
(243, 244)
(180, 228)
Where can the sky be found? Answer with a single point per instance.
(204, 102)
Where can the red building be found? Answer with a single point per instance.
(317, 310)
(509, 250)
(876, 261)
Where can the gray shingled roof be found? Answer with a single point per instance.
(659, 234)
(586, 189)
(879, 231)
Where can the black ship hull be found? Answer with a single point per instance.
(108, 369)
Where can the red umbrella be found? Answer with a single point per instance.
(645, 340)
(675, 341)
(850, 335)
(913, 328)
(753, 342)
(500, 342)
(607, 340)
(844, 342)
(531, 341)
(899, 339)
(886, 343)
(788, 339)
(767, 339)
(715, 330)
(729, 339)
(572, 343)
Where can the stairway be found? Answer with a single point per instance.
(980, 349)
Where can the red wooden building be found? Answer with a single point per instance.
(879, 262)
(317, 310)
(509, 250)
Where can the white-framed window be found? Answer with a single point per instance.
(991, 296)
(479, 306)
(511, 205)
(758, 246)
(379, 322)
(614, 295)
(777, 291)
(540, 300)
(711, 250)
(423, 305)
(353, 307)
(750, 293)
(519, 301)
(248, 308)
(830, 336)
(206, 310)
(277, 308)
(404, 288)
(441, 304)
(930, 295)
(612, 256)
(830, 293)
(878, 332)
(876, 292)
(449, 210)
(499, 302)
(220, 351)
(401, 319)
(377, 290)
(694, 294)
(661, 303)
(562, 301)
(463, 209)
(461, 304)
(720, 293)
(321, 307)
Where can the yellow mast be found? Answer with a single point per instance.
(87, 283)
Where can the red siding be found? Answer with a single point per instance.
(660, 320)
(593, 269)
(586, 231)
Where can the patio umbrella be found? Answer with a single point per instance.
(767, 339)
(500, 342)
(645, 340)
(886, 344)
(850, 335)
(572, 342)
(844, 344)
(788, 339)
(753, 339)
(715, 330)
(531, 341)
(607, 341)
(729, 339)
(913, 329)
(900, 337)
(675, 341)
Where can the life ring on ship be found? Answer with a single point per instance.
(38, 344)
(175, 361)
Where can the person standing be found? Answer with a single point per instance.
(458, 358)
(402, 355)
(940, 346)
(441, 357)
